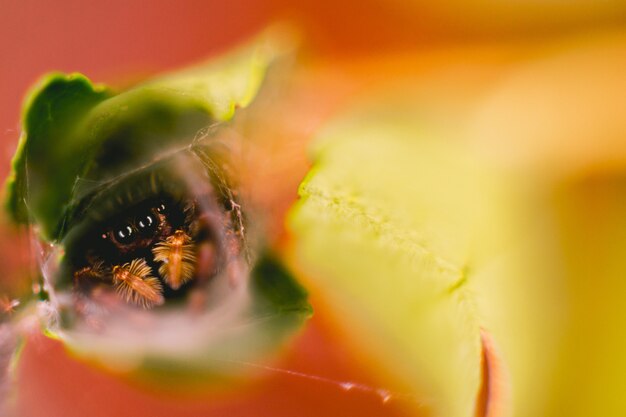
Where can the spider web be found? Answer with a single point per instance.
(45, 302)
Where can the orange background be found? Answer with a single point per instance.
(122, 40)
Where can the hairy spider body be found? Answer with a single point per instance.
(135, 284)
(178, 259)
(96, 270)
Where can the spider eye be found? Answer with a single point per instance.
(125, 235)
(146, 224)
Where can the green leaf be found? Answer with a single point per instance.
(77, 135)
(385, 228)
(221, 87)
(50, 110)
(278, 298)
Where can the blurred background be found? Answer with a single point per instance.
(535, 87)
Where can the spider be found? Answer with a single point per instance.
(154, 243)
(138, 224)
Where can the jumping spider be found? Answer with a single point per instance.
(151, 252)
